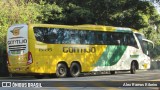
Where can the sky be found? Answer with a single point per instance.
(156, 4)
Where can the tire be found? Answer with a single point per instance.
(39, 76)
(112, 72)
(75, 70)
(61, 71)
(133, 68)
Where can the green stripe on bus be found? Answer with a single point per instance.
(111, 55)
(134, 56)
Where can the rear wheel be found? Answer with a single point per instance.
(75, 70)
(133, 68)
(61, 70)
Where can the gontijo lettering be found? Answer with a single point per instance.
(79, 50)
(12, 42)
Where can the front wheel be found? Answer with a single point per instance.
(133, 68)
(61, 70)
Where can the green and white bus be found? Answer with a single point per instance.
(39, 49)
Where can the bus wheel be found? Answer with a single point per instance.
(75, 70)
(133, 68)
(61, 70)
(39, 76)
(112, 72)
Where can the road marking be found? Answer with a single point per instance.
(60, 87)
(63, 88)
(100, 85)
(155, 80)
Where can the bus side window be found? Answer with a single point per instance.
(66, 37)
(108, 38)
(38, 32)
(126, 39)
(115, 39)
(83, 37)
(104, 38)
(90, 37)
(74, 37)
(60, 36)
(46, 35)
(52, 36)
(130, 40)
(99, 38)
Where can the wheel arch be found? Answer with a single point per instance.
(63, 62)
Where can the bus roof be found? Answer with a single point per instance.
(87, 27)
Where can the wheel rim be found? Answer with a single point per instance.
(61, 71)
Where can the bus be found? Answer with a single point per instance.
(69, 50)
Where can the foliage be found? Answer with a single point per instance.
(13, 13)
(19, 12)
(125, 13)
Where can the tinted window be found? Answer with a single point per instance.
(66, 36)
(46, 35)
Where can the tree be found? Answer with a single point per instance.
(19, 12)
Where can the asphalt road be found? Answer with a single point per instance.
(89, 82)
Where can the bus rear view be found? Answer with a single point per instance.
(17, 49)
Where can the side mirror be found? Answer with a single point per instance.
(147, 46)
(150, 44)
